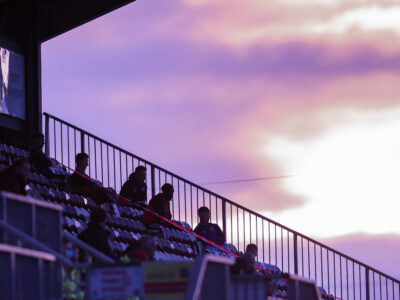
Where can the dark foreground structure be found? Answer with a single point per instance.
(40, 253)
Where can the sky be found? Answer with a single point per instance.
(218, 90)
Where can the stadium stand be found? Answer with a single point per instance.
(31, 231)
(124, 222)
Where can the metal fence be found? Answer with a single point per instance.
(279, 245)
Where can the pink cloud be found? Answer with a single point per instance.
(377, 251)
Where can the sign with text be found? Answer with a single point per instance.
(166, 281)
(115, 282)
(12, 83)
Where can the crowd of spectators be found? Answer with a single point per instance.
(133, 191)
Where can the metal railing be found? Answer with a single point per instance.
(279, 245)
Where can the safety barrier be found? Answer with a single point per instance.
(293, 252)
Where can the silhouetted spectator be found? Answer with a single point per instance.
(160, 204)
(95, 234)
(209, 230)
(245, 263)
(13, 179)
(135, 188)
(40, 162)
(146, 249)
(82, 185)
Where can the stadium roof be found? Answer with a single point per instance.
(50, 18)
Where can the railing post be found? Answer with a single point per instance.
(46, 135)
(296, 258)
(153, 182)
(82, 142)
(224, 218)
(367, 283)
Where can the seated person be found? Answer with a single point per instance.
(245, 263)
(159, 204)
(135, 188)
(40, 162)
(13, 179)
(209, 230)
(145, 250)
(95, 234)
(82, 185)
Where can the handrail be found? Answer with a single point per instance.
(283, 246)
(92, 251)
(36, 243)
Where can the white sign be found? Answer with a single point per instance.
(12, 83)
(115, 282)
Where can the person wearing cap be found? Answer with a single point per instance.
(209, 230)
(160, 205)
(95, 234)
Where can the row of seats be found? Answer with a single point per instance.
(124, 223)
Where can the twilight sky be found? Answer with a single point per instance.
(225, 89)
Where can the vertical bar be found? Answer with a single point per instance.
(263, 244)
(108, 166)
(224, 217)
(308, 260)
(47, 136)
(341, 280)
(237, 225)
(322, 267)
(244, 229)
(315, 264)
(95, 158)
(354, 283)
(82, 142)
(367, 284)
(74, 144)
(288, 252)
(69, 164)
(55, 139)
(250, 227)
(101, 162)
(153, 187)
(115, 176)
(296, 270)
(184, 199)
(347, 278)
(90, 164)
(230, 205)
(257, 237)
(62, 143)
(282, 247)
(327, 262)
(276, 248)
(334, 274)
(120, 169)
(191, 205)
(179, 201)
(269, 242)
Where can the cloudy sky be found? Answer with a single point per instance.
(219, 90)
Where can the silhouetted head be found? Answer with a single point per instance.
(204, 215)
(148, 244)
(37, 142)
(252, 249)
(98, 215)
(82, 162)
(140, 173)
(22, 167)
(168, 191)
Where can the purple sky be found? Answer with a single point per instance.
(218, 90)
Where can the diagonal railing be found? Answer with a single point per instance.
(293, 252)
